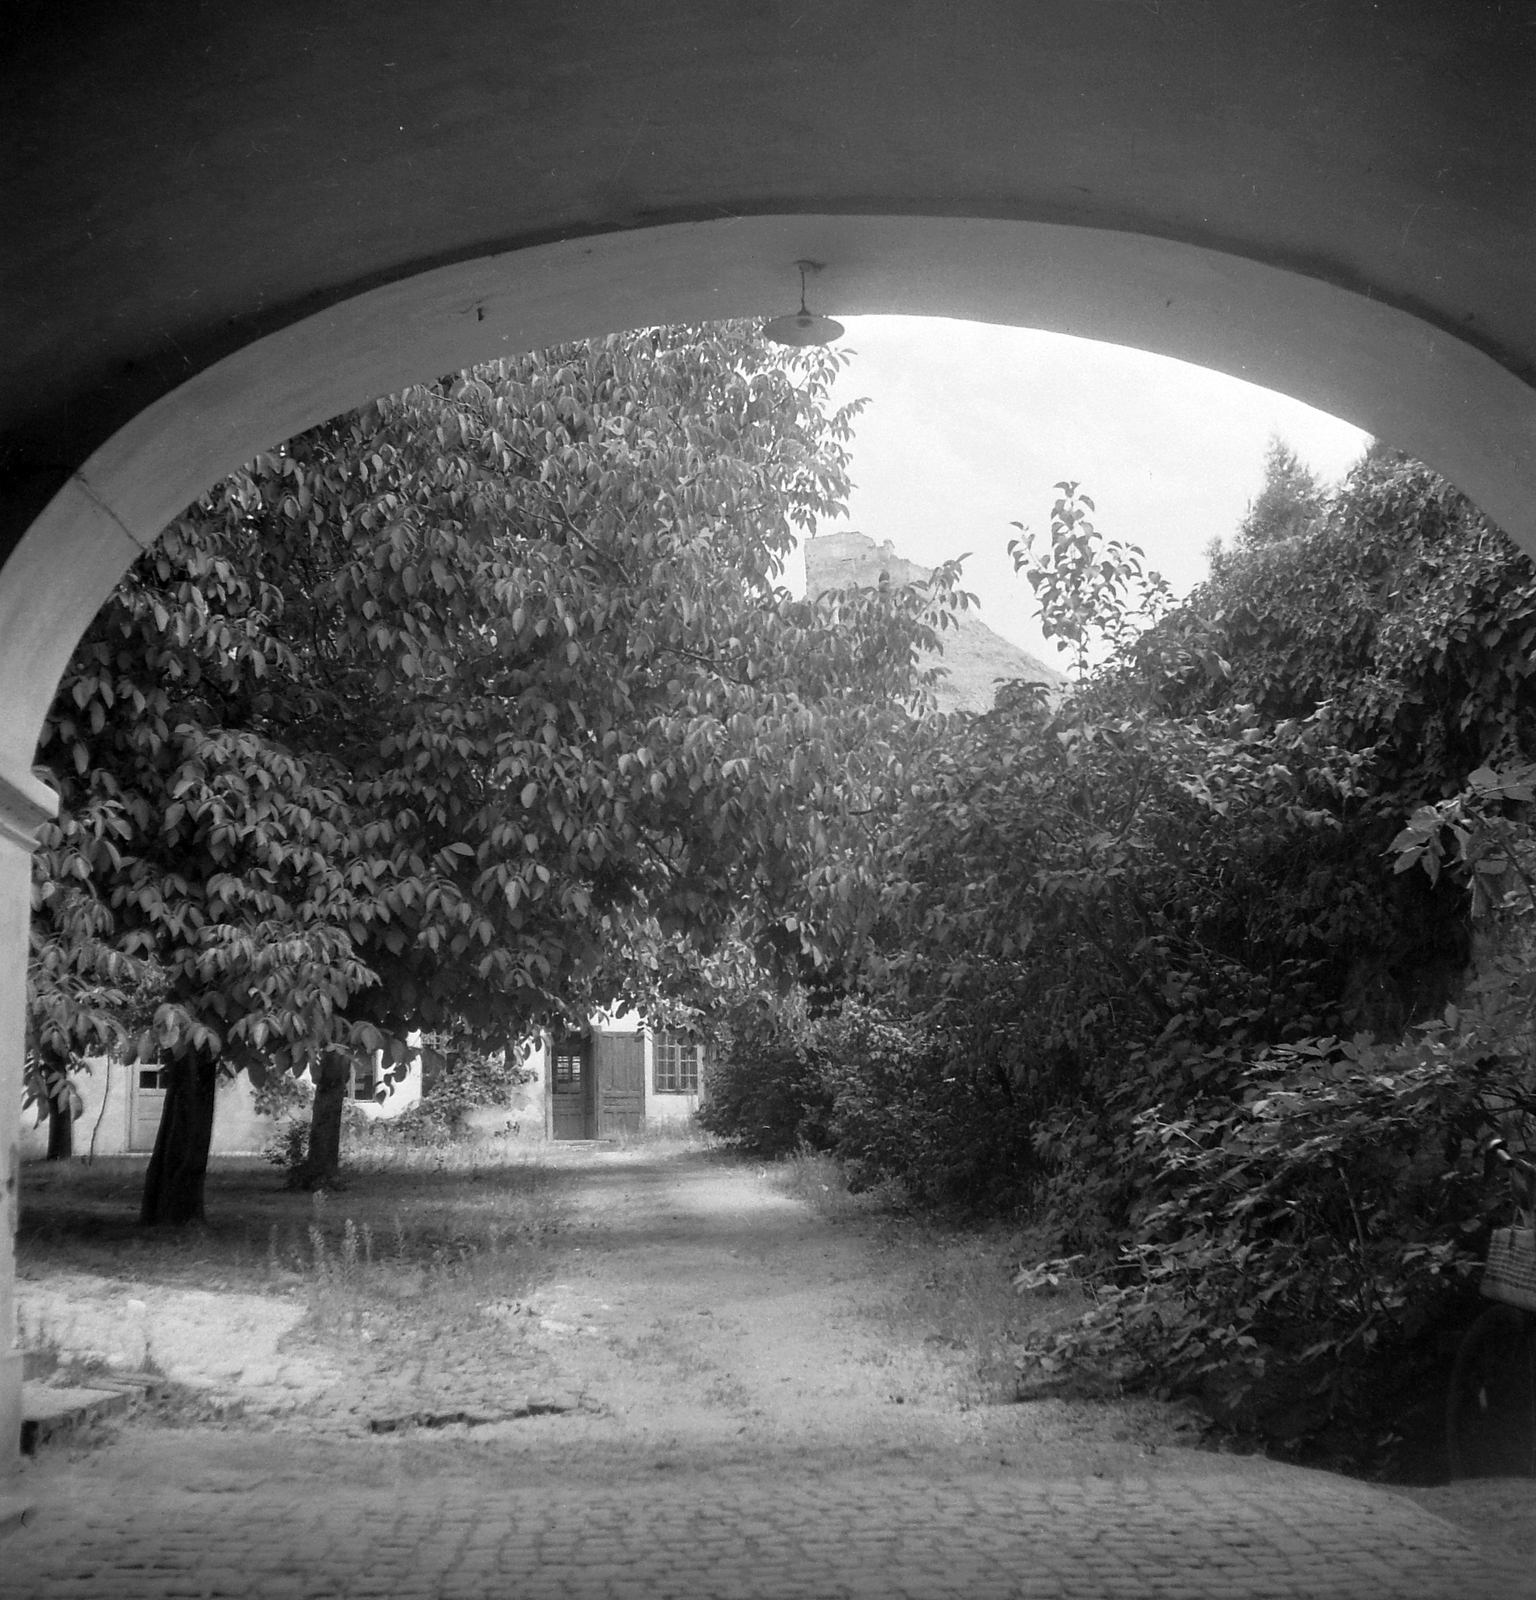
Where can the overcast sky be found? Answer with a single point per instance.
(970, 426)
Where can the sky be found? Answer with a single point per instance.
(970, 426)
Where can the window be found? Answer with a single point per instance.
(568, 1067)
(678, 1061)
(364, 1084)
(154, 1078)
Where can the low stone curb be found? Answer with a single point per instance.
(47, 1411)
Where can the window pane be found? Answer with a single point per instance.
(677, 1064)
(568, 1069)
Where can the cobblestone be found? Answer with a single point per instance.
(740, 1534)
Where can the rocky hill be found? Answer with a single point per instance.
(974, 656)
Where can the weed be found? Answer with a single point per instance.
(286, 1149)
(398, 1264)
(322, 1261)
(685, 1135)
(820, 1181)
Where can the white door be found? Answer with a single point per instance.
(147, 1102)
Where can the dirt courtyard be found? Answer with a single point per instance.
(581, 1321)
(664, 1298)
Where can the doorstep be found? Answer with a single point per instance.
(47, 1412)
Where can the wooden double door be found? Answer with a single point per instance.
(597, 1086)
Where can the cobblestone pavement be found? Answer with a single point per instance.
(177, 1515)
(752, 1402)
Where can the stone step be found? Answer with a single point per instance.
(47, 1411)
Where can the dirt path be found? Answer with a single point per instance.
(685, 1307)
(699, 1310)
(688, 1316)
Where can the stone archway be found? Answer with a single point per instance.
(1371, 364)
(1381, 368)
(233, 222)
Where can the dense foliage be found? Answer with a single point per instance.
(1157, 983)
(457, 1081)
(411, 721)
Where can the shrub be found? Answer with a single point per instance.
(767, 1095)
(874, 1090)
(287, 1099)
(456, 1082)
(904, 1107)
(287, 1145)
(1304, 1242)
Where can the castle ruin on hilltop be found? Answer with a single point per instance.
(974, 656)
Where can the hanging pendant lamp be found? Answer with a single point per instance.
(803, 327)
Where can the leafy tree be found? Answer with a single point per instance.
(1399, 613)
(84, 994)
(405, 719)
(1093, 593)
(1059, 888)
(1288, 503)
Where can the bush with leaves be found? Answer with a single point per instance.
(1311, 1224)
(867, 1086)
(458, 1078)
(767, 1095)
(902, 1107)
(1304, 1240)
(1394, 610)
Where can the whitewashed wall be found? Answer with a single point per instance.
(106, 1127)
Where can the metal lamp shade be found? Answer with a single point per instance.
(803, 328)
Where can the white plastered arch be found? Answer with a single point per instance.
(1390, 373)
(1385, 371)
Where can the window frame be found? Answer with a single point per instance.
(568, 1049)
(684, 1073)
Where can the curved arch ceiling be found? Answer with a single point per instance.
(1370, 364)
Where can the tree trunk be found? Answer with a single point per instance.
(173, 1185)
(61, 1129)
(321, 1167)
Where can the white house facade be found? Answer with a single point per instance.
(620, 1076)
(616, 1077)
(121, 1104)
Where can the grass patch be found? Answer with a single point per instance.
(379, 1145)
(415, 1296)
(820, 1182)
(400, 1209)
(956, 1284)
(953, 1281)
(395, 1273)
